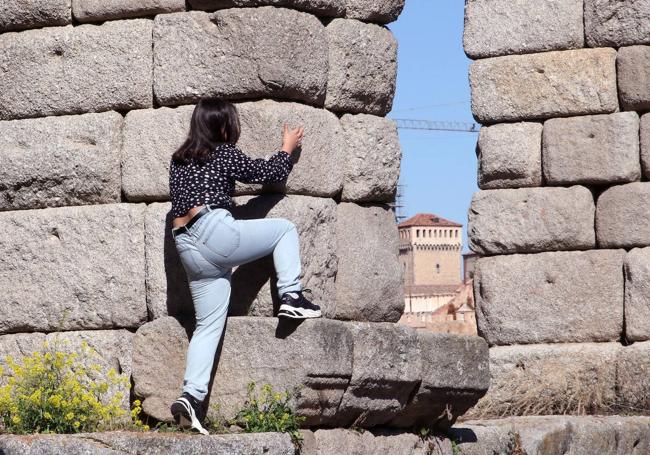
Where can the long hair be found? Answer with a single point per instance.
(214, 121)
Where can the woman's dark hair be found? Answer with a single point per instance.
(214, 121)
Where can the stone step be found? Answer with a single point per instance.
(348, 373)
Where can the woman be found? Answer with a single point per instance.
(210, 241)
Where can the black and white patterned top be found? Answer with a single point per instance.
(193, 184)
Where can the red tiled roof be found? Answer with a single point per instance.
(428, 219)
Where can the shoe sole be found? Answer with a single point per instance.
(287, 311)
(185, 417)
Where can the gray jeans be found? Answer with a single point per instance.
(215, 243)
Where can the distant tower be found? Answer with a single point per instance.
(429, 251)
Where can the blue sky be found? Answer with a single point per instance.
(438, 168)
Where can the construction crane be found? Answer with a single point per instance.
(412, 124)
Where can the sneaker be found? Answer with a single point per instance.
(296, 306)
(188, 413)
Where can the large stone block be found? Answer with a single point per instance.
(615, 24)
(633, 66)
(554, 435)
(253, 285)
(469, 377)
(550, 379)
(150, 138)
(549, 84)
(318, 168)
(530, 220)
(71, 268)
(152, 135)
(559, 297)
(369, 283)
(510, 155)
(501, 27)
(637, 294)
(372, 158)
(21, 14)
(349, 441)
(62, 160)
(110, 349)
(254, 290)
(374, 11)
(71, 70)
(362, 67)
(327, 8)
(102, 10)
(592, 150)
(622, 220)
(633, 384)
(147, 443)
(333, 364)
(199, 54)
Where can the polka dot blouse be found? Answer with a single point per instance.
(193, 184)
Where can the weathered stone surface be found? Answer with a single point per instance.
(554, 434)
(316, 354)
(102, 10)
(637, 294)
(317, 169)
(253, 284)
(449, 387)
(544, 85)
(195, 55)
(616, 24)
(152, 135)
(168, 291)
(150, 443)
(645, 145)
(71, 268)
(369, 279)
(510, 156)
(372, 158)
(549, 298)
(362, 67)
(633, 66)
(633, 383)
(150, 138)
(334, 364)
(70, 70)
(373, 11)
(381, 386)
(500, 27)
(592, 150)
(21, 14)
(622, 218)
(111, 350)
(327, 8)
(63, 160)
(529, 220)
(550, 379)
(344, 441)
(254, 291)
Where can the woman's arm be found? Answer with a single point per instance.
(260, 170)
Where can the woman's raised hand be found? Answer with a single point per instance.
(291, 139)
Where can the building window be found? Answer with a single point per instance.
(456, 233)
(437, 268)
(417, 233)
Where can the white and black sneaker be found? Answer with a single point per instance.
(296, 306)
(188, 413)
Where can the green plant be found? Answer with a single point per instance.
(58, 392)
(270, 411)
(455, 448)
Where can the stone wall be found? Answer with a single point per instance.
(562, 89)
(94, 98)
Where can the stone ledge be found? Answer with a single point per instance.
(335, 364)
(125, 442)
